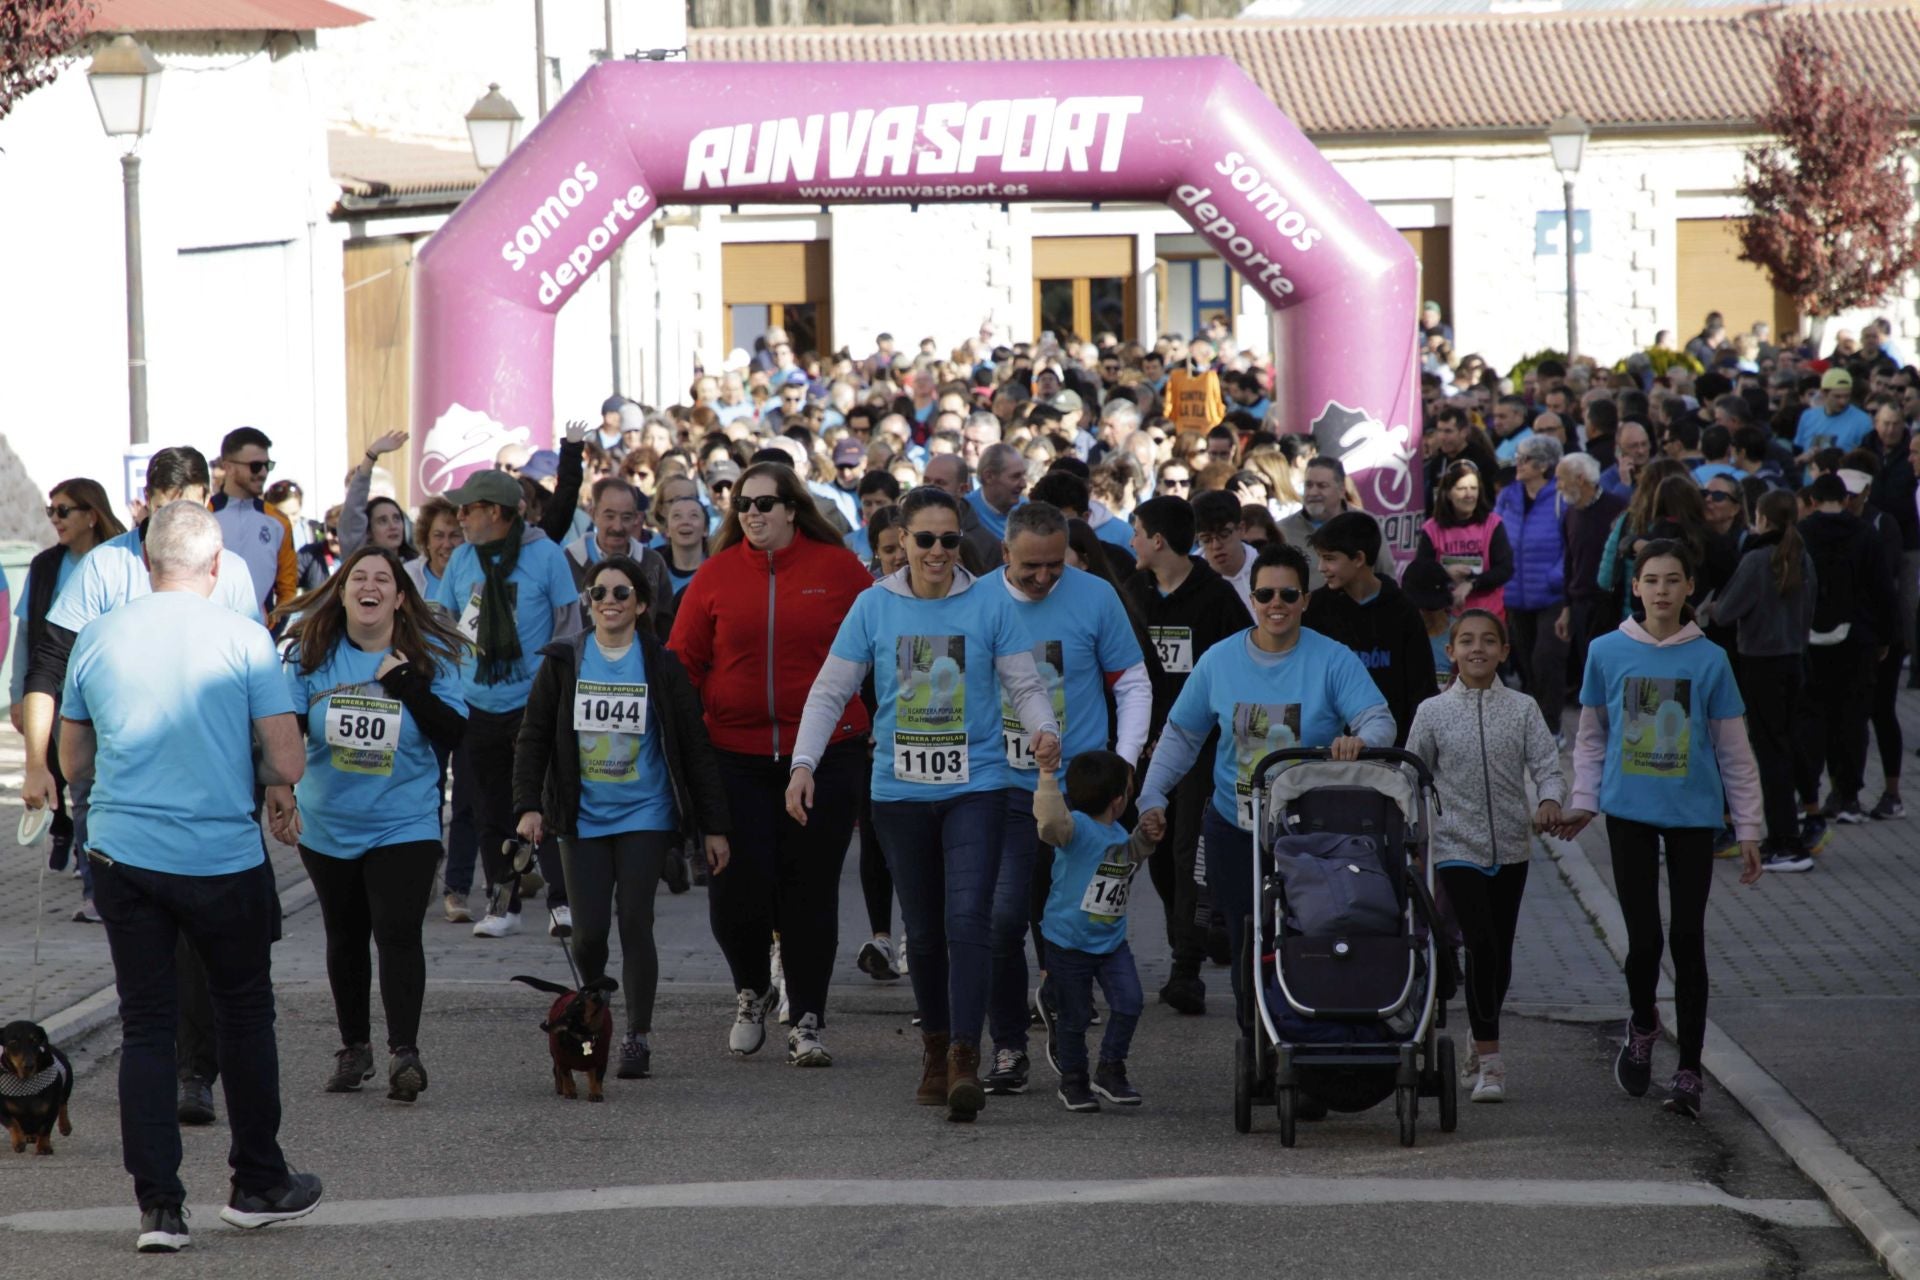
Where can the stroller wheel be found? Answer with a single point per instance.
(1406, 1104)
(1287, 1103)
(1449, 1087)
(1243, 1067)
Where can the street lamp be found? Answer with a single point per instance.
(493, 125)
(1567, 139)
(125, 79)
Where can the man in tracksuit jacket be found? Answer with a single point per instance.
(251, 527)
(1371, 616)
(1187, 609)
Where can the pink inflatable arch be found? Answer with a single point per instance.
(1193, 132)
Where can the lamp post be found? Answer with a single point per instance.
(1567, 139)
(125, 79)
(493, 126)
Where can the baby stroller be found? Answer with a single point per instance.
(1347, 1014)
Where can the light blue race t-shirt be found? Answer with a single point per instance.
(1660, 702)
(114, 573)
(1819, 429)
(172, 684)
(1306, 699)
(1077, 635)
(624, 784)
(938, 718)
(541, 582)
(372, 776)
(1080, 914)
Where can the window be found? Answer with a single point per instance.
(780, 285)
(1083, 285)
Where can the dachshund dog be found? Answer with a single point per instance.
(579, 1030)
(35, 1082)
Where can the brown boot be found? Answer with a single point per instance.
(933, 1071)
(965, 1096)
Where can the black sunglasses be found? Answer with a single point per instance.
(598, 592)
(1714, 495)
(1265, 595)
(763, 504)
(925, 540)
(258, 468)
(62, 511)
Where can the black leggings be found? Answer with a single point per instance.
(1636, 879)
(876, 882)
(1886, 721)
(380, 896)
(1771, 689)
(624, 868)
(1487, 908)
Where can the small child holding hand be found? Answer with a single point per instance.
(1085, 924)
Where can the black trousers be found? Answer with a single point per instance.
(378, 898)
(230, 921)
(876, 882)
(1885, 719)
(489, 745)
(1542, 658)
(1771, 689)
(1832, 729)
(618, 876)
(1487, 908)
(782, 877)
(1636, 879)
(1171, 866)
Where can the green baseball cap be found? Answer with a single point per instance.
(496, 487)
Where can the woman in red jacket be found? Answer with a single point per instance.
(753, 628)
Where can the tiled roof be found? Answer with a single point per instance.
(1699, 68)
(373, 170)
(223, 15)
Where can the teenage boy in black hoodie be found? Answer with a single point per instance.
(1187, 608)
(1371, 616)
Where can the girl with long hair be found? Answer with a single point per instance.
(1468, 540)
(374, 673)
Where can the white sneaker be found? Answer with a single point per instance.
(876, 959)
(749, 1023)
(803, 1045)
(900, 955)
(560, 921)
(780, 984)
(498, 926)
(1492, 1084)
(1470, 1069)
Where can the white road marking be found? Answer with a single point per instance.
(1280, 1192)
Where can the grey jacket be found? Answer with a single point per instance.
(1769, 625)
(1481, 744)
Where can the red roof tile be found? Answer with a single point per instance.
(1701, 68)
(370, 168)
(223, 15)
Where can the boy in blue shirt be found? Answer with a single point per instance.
(1085, 924)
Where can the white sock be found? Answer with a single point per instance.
(1490, 1064)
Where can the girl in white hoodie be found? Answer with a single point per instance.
(1663, 752)
(1481, 740)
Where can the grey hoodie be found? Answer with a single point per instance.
(1481, 744)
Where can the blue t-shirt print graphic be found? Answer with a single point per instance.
(1259, 730)
(1656, 726)
(1050, 662)
(930, 709)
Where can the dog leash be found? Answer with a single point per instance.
(39, 921)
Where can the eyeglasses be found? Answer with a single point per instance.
(62, 511)
(599, 593)
(763, 504)
(1714, 495)
(1265, 595)
(925, 540)
(1171, 483)
(506, 468)
(258, 468)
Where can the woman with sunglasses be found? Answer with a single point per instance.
(375, 677)
(612, 759)
(1276, 684)
(941, 653)
(82, 519)
(752, 629)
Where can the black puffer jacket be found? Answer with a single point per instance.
(546, 757)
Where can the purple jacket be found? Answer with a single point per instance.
(1539, 555)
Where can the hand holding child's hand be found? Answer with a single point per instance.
(1547, 816)
(1154, 823)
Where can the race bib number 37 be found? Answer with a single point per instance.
(362, 733)
(600, 707)
(1174, 646)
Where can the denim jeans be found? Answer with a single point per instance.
(229, 920)
(1229, 854)
(1071, 975)
(1007, 931)
(945, 856)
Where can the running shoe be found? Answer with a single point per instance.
(749, 1022)
(296, 1198)
(86, 914)
(1683, 1095)
(1889, 807)
(1726, 844)
(1470, 1069)
(456, 904)
(1491, 1084)
(1185, 995)
(352, 1067)
(194, 1105)
(876, 959)
(1633, 1069)
(1075, 1093)
(498, 926)
(804, 1048)
(1814, 834)
(406, 1077)
(1847, 811)
(1787, 860)
(1009, 1074)
(636, 1058)
(1110, 1082)
(560, 921)
(163, 1229)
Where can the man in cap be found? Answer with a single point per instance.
(849, 463)
(1835, 422)
(1432, 326)
(611, 425)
